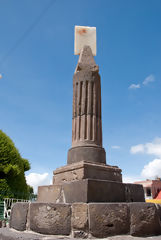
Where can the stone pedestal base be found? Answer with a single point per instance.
(84, 170)
(90, 190)
(83, 220)
(89, 182)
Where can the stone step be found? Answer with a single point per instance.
(83, 220)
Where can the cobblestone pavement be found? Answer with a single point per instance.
(11, 234)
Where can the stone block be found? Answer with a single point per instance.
(68, 173)
(50, 218)
(158, 206)
(75, 191)
(50, 193)
(144, 219)
(105, 191)
(103, 172)
(79, 219)
(134, 193)
(18, 217)
(84, 170)
(86, 153)
(107, 219)
(89, 190)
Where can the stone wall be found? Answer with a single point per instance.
(87, 219)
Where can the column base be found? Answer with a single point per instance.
(86, 153)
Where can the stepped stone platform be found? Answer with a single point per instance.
(89, 182)
(84, 220)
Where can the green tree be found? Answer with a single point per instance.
(12, 168)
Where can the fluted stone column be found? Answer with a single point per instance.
(86, 120)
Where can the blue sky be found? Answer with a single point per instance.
(37, 63)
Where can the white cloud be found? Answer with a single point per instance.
(154, 148)
(149, 79)
(115, 147)
(134, 86)
(131, 179)
(151, 148)
(152, 169)
(137, 149)
(36, 179)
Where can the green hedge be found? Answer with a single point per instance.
(12, 168)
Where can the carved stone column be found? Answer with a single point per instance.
(86, 120)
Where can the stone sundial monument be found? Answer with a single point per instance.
(87, 197)
(87, 177)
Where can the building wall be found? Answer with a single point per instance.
(153, 185)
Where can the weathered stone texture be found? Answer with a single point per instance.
(86, 153)
(83, 220)
(107, 219)
(87, 123)
(75, 191)
(158, 206)
(50, 218)
(79, 221)
(103, 172)
(134, 193)
(105, 191)
(50, 193)
(144, 219)
(19, 216)
(89, 190)
(80, 216)
(68, 173)
(86, 119)
(84, 169)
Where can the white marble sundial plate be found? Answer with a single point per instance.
(85, 36)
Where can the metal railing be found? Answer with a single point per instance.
(6, 206)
